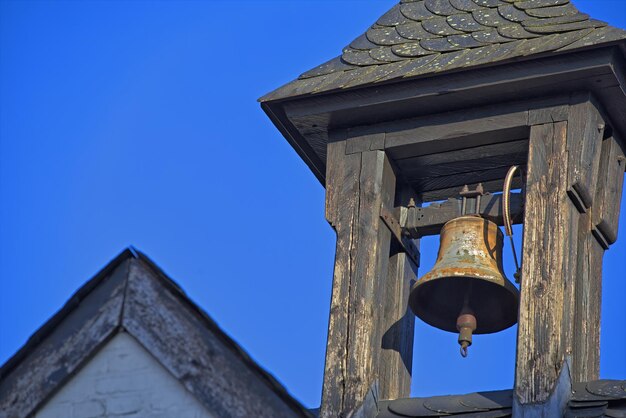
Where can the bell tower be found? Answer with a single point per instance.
(436, 102)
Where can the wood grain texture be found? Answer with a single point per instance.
(548, 114)
(396, 361)
(597, 230)
(357, 185)
(426, 165)
(584, 141)
(608, 198)
(588, 302)
(548, 269)
(361, 143)
(455, 130)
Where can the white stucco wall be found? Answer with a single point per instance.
(123, 380)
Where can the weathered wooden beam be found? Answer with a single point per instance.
(597, 230)
(424, 186)
(587, 305)
(605, 214)
(548, 269)
(423, 221)
(491, 186)
(547, 114)
(561, 270)
(398, 324)
(456, 130)
(464, 160)
(584, 140)
(357, 186)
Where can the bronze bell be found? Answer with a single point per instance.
(467, 291)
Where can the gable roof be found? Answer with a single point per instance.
(425, 37)
(132, 294)
(602, 398)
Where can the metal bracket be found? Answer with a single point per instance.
(424, 221)
(406, 243)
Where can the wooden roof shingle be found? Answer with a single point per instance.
(601, 398)
(424, 37)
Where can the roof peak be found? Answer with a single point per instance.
(132, 294)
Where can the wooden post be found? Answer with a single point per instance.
(550, 222)
(558, 262)
(358, 183)
(396, 361)
(597, 231)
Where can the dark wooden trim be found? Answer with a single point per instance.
(296, 140)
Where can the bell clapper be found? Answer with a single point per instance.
(466, 325)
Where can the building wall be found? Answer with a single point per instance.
(123, 380)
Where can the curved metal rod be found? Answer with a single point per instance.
(506, 212)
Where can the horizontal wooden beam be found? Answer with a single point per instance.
(490, 186)
(429, 164)
(456, 130)
(428, 220)
(452, 183)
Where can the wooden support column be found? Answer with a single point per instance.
(563, 164)
(358, 183)
(396, 361)
(597, 231)
(550, 232)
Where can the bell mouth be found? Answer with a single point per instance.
(439, 303)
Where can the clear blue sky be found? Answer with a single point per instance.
(137, 123)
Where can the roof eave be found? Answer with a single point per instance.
(289, 112)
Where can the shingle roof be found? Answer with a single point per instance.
(131, 294)
(602, 398)
(422, 37)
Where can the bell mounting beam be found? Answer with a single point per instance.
(424, 221)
